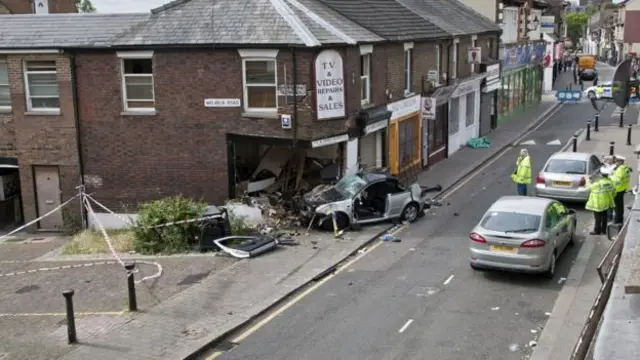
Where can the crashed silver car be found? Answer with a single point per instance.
(364, 198)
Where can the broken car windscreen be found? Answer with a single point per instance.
(350, 185)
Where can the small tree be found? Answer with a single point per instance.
(576, 22)
(85, 6)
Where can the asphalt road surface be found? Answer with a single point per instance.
(419, 299)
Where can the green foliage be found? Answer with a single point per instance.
(168, 239)
(239, 225)
(576, 23)
(85, 6)
(71, 222)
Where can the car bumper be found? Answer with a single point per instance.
(581, 194)
(511, 262)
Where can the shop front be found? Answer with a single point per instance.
(434, 126)
(489, 98)
(405, 134)
(464, 113)
(371, 129)
(521, 79)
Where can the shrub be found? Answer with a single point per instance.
(168, 239)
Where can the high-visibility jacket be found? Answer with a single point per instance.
(621, 178)
(601, 195)
(522, 175)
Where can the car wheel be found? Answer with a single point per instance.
(342, 221)
(551, 270)
(410, 212)
(475, 267)
(591, 94)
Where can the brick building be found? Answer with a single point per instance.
(212, 100)
(40, 7)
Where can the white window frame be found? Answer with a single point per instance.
(454, 71)
(258, 55)
(133, 55)
(26, 72)
(474, 43)
(408, 69)
(366, 52)
(6, 108)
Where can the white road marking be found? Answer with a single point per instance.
(554, 142)
(446, 282)
(405, 326)
(528, 142)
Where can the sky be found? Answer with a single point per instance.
(127, 6)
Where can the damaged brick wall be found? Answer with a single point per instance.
(41, 140)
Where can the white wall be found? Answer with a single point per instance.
(509, 25)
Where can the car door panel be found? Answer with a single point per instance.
(396, 203)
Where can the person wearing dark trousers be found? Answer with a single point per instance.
(601, 200)
(621, 178)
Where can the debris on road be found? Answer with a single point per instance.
(495, 308)
(562, 279)
(533, 343)
(514, 347)
(547, 314)
(479, 143)
(389, 237)
(534, 331)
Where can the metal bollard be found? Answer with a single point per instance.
(595, 125)
(71, 319)
(588, 130)
(629, 135)
(611, 147)
(621, 119)
(131, 286)
(574, 141)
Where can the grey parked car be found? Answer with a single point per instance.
(522, 233)
(565, 175)
(364, 198)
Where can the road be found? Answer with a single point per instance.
(418, 299)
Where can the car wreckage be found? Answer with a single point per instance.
(363, 198)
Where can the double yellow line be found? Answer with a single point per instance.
(308, 291)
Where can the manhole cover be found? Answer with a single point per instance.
(28, 288)
(193, 278)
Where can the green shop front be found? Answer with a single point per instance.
(521, 80)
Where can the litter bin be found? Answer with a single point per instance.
(216, 227)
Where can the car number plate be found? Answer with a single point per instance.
(561, 183)
(503, 249)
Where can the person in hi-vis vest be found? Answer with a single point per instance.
(522, 174)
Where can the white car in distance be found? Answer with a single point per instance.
(602, 91)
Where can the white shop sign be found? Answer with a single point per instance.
(329, 73)
(222, 103)
(493, 72)
(467, 87)
(329, 141)
(493, 86)
(404, 107)
(375, 127)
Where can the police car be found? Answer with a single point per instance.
(602, 91)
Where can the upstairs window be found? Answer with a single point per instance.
(259, 80)
(5, 95)
(137, 81)
(408, 68)
(365, 74)
(42, 86)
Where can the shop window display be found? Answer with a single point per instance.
(408, 142)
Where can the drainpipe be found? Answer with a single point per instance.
(449, 45)
(295, 97)
(76, 114)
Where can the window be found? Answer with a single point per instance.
(438, 61)
(365, 74)
(471, 109)
(137, 81)
(552, 218)
(474, 43)
(408, 68)
(408, 146)
(42, 86)
(5, 95)
(259, 80)
(566, 166)
(454, 116)
(511, 222)
(595, 164)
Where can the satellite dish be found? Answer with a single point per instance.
(620, 84)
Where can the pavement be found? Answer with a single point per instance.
(418, 299)
(582, 284)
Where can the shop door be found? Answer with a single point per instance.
(454, 126)
(437, 143)
(47, 181)
(368, 151)
(486, 104)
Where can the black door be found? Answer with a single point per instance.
(486, 103)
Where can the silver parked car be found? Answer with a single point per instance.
(565, 175)
(364, 198)
(522, 233)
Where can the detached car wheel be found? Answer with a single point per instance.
(342, 221)
(410, 212)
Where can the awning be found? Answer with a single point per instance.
(373, 119)
(8, 162)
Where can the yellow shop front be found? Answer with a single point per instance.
(405, 129)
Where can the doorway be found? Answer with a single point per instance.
(47, 187)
